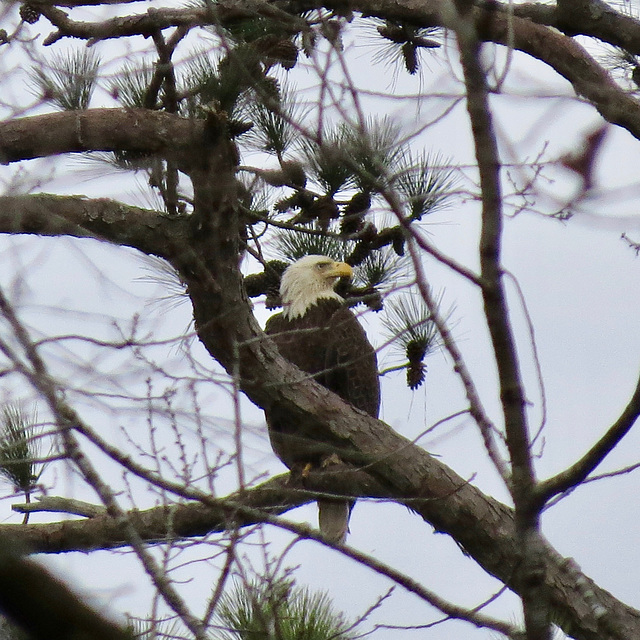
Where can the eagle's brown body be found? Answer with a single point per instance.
(329, 343)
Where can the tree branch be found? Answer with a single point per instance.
(135, 130)
(145, 24)
(43, 606)
(578, 472)
(534, 602)
(160, 524)
(57, 504)
(99, 218)
(495, 306)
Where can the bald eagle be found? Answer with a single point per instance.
(318, 333)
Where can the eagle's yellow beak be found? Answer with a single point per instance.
(340, 270)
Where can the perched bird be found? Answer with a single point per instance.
(318, 333)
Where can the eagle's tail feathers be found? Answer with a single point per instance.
(333, 517)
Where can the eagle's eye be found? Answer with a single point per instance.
(322, 265)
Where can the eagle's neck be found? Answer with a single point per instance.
(298, 297)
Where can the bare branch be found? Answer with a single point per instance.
(495, 306)
(578, 472)
(57, 504)
(136, 130)
(100, 218)
(536, 613)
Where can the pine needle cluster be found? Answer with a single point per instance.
(19, 448)
(405, 42)
(278, 609)
(131, 85)
(292, 244)
(69, 80)
(412, 329)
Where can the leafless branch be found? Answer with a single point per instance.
(577, 472)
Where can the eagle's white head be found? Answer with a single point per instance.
(308, 280)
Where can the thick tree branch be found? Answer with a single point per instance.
(160, 524)
(144, 24)
(593, 18)
(135, 130)
(535, 606)
(100, 218)
(570, 60)
(44, 607)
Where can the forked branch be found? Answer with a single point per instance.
(579, 471)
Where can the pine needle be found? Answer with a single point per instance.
(278, 609)
(327, 162)
(131, 85)
(293, 245)
(412, 330)
(381, 268)
(69, 81)
(426, 183)
(274, 130)
(19, 447)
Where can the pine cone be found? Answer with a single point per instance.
(271, 88)
(294, 173)
(273, 273)
(360, 203)
(393, 32)
(298, 200)
(398, 244)
(374, 301)
(359, 254)
(415, 375)
(410, 55)
(369, 232)
(324, 209)
(29, 13)
(267, 282)
(351, 224)
(416, 351)
(276, 50)
(353, 213)
(238, 127)
(332, 31)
